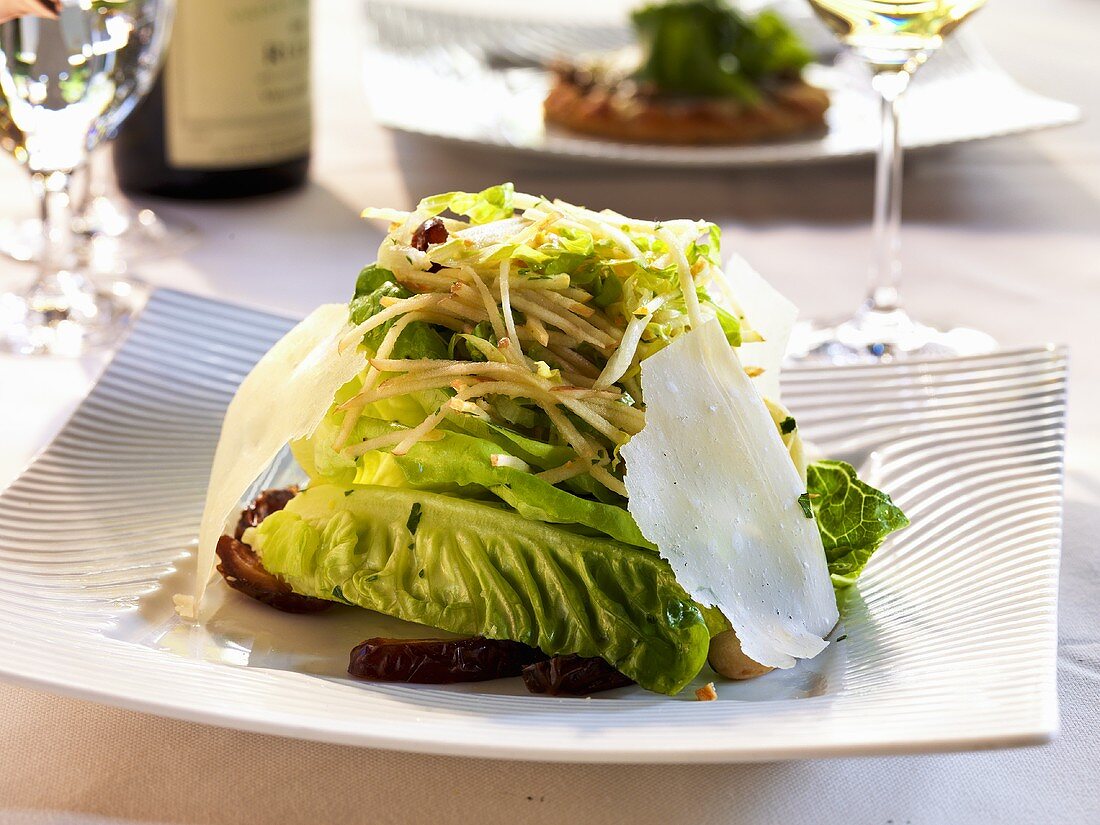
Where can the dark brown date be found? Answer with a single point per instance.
(573, 676)
(244, 571)
(432, 231)
(440, 661)
(266, 503)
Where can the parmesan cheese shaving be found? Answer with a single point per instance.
(767, 312)
(283, 398)
(711, 484)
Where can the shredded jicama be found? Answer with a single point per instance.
(571, 360)
(623, 358)
(509, 319)
(568, 470)
(687, 283)
(400, 307)
(504, 460)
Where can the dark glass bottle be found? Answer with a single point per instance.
(229, 115)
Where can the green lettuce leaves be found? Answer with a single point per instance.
(417, 340)
(473, 568)
(441, 537)
(853, 518)
(493, 204)
(462, 462)
(706, 48)
(466, 460)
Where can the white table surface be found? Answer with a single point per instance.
(1004, 235)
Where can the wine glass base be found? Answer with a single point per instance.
(68, 317)
(21, 239)
(875, 336)
(116, 226)
(109, 234)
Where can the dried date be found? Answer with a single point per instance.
(266, 503)
(440, 661)
(432, 231)
(573, 676)
(243, 571)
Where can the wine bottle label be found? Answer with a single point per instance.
(236, 83)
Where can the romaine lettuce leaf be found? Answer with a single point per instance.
(731, 326)
(471, 568)
(317, 458)
(536, 453)
(324, 464)
(462, 460)
(853, 518)
(417, 340)
(486, 206)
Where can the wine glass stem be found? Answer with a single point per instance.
(82, 186)
(55, 205)
(886, 270)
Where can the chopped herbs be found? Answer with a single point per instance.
(804, 503)
(415, 512)
(787, 425)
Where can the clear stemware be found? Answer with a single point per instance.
(119, 231)
(112, 232)
(63, 84)
(893, 39)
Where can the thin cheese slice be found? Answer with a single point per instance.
(284, 398)
(769, 313)
(712, 485)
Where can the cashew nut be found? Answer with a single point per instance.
(727, 659)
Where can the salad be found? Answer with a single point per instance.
(551, 436)
(699, 72)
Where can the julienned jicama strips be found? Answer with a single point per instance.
(488, 470)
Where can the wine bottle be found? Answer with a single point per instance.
(229, 115)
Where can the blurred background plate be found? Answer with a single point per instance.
(472, 72)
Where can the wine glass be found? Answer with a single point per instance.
(112, 231)
(118, 230)
(893, 39)
(62, 83)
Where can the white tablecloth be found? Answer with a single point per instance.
(1004, 235)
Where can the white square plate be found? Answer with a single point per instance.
(948, 643)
